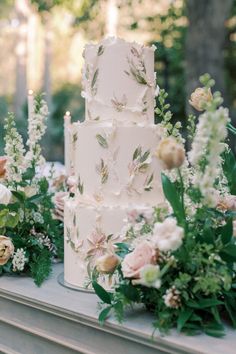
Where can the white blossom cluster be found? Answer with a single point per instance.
(37, 217)
(36, 130)
(207, 148)
(14, 150)
(44, 240)
(172, 298)
(19, 260)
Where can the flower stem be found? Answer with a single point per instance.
(182, 198)
(231, 128)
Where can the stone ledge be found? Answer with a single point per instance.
(53, 319)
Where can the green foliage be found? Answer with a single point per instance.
(229, 168)
(41, 266)
(201, 269)
(102, 293)
(173, 197)
(164, 116)
(28, 219)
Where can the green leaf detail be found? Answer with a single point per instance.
(137, 152)
(173, 198)
(102, 293)
(104, 314)
(80, 186)
(184, 316)
(130, 292)
(204, 303)
(102, 141)
(94, 80)
(227, 231)
(20, 196)
(145, 156)
(100, 50)
(41, 266)
(228, 253)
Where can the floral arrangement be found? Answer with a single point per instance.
(179, 261)
(31, 234)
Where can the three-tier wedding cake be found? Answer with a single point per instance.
(111, 155)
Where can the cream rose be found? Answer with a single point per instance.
(30, 191)
(6, 249)
(200, 97)
(171, 153)
(167, 236)
(143, 254)
(107, 263)
(5, 195)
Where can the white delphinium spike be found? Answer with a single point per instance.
(14, 150)
(36, 130)
(207, 148)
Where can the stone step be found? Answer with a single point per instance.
(53, 319)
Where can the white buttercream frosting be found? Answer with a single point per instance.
(111, 155)
(119, 81)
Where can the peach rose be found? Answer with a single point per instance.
(107, 263)
(3, 161)
(171, 153)
(200, 97)
(227, 203)
(142, 255)
(6, 249)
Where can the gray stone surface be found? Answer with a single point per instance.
(53, 319)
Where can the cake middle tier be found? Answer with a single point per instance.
(116, 165)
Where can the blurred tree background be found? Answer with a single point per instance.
(42, 42)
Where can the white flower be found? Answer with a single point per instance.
(167, 236)
(207, 147)
(36, 130)
(14, 151)
(5, 195)
(172, 298)
(37, 217)
(19, 260)
(150, 276)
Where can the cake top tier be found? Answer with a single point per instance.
(119, 82)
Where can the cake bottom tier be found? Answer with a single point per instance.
(91, 232)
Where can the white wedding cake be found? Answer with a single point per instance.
(110, 156)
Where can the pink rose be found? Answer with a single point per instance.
(142, 255)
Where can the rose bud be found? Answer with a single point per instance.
(200, 97)
(107, 263)
(171, 153)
